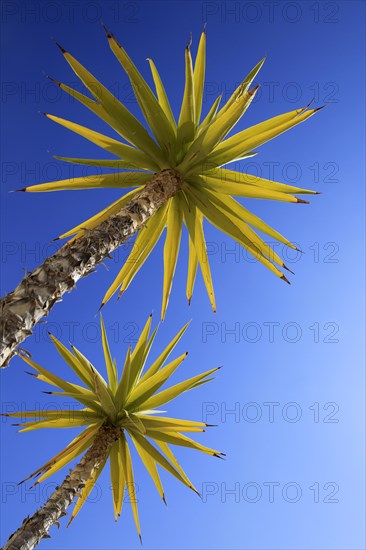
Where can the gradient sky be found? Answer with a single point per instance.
(289, 402)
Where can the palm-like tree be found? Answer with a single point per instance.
(114, 410)
(178, 175)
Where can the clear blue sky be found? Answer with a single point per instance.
(293, 367)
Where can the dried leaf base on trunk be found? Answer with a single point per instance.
(36, 527)
(35, 296)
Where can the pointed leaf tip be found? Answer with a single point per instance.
(109, 35)
(253, 91)
(219, 456)
(59, 46)
(320, 108)
(53, 80)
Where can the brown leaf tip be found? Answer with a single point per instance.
(285, 279)
(53, 80)
(253, 91)
(320, 108)
(109, 35)
(59, 46)
(219, 455)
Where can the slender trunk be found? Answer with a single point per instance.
(40, 290)
(36, 527)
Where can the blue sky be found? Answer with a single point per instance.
(289, 402)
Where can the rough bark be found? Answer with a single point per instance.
(36, 527)
(34, 297)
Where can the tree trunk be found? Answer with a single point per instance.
(36, 527)
(40, 290)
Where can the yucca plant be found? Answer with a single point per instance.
(117, 411)
(176, 168)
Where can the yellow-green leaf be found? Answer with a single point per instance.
(242, 88)
(192, 269)
(54, 380)
(128, 125)
(125, 152)
(255, 136)
(231, 226)
(119, 180)
(105, 163)
(122, 390)
(145, 389)
(171, 424)
(118, 480)
(171, 393)
(162, 96)
(231, 176)
(83, 373)
(242, 213)
(138, 354)
(111, 368)
(186, 123)
(171, 249)
(216, 131)
(199, 76)
(150, 106)
(159, 362)
(128, 475)
(144, 244)
(194, 222)
(243, 190)
(158, 457)
(210, 115)
(183, 441)
(150, 466)
(170, 456)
